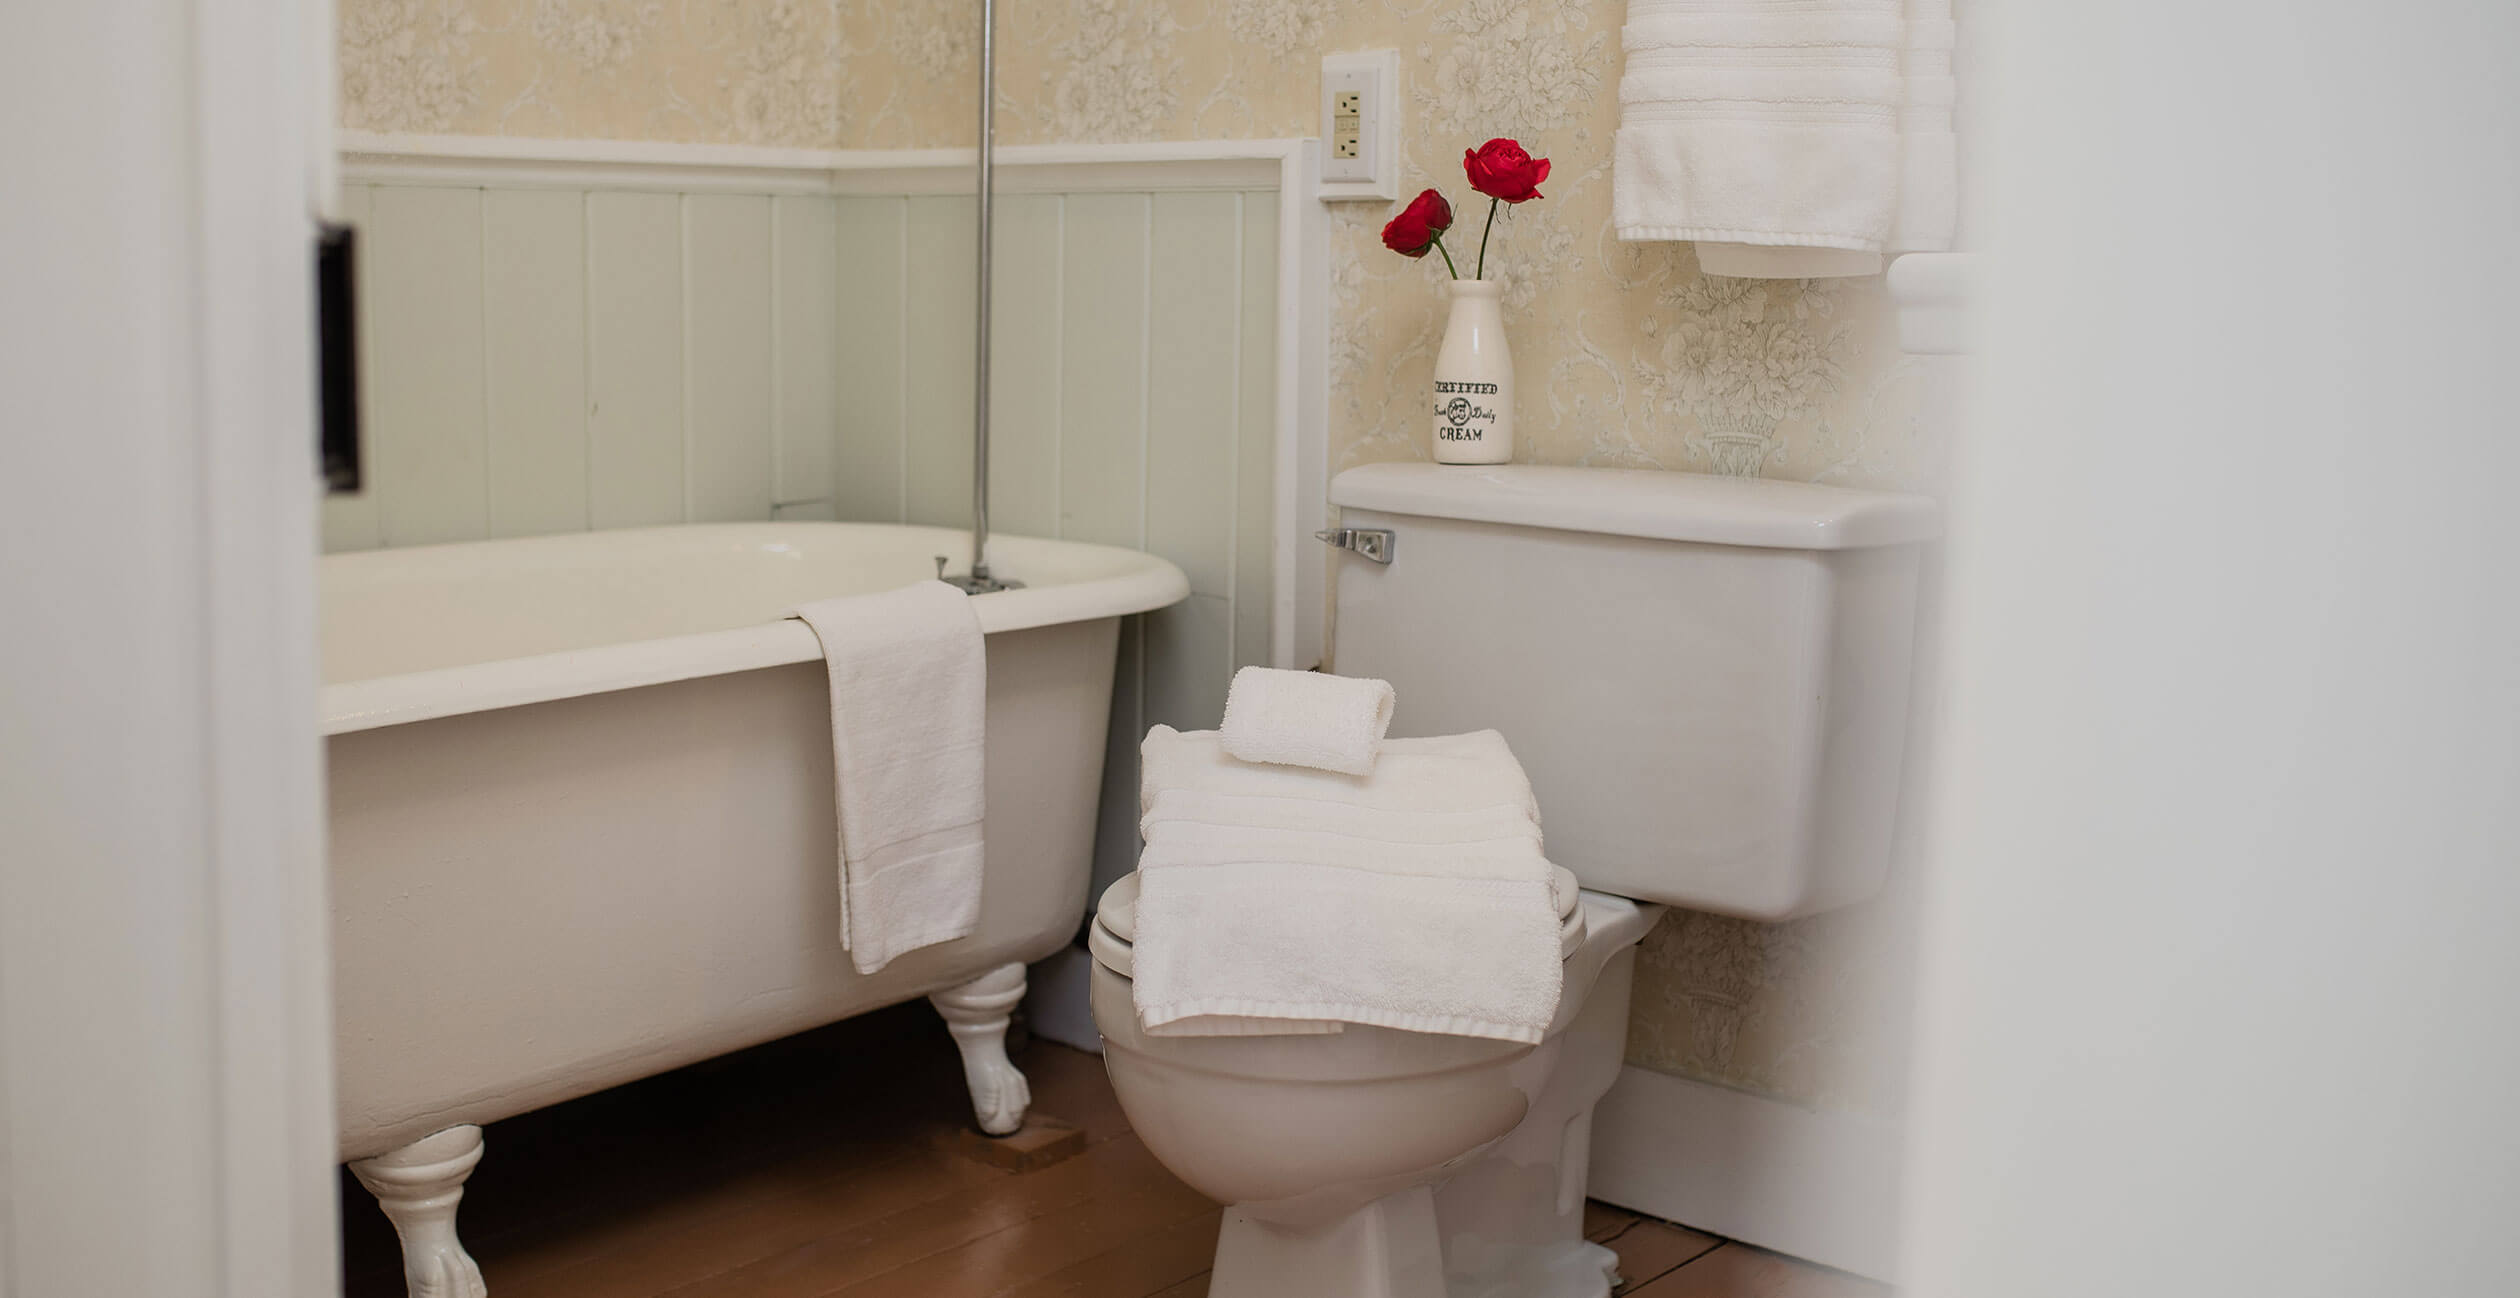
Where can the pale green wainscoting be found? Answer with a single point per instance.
(541, 358)
(549, 360)
(1133, 352)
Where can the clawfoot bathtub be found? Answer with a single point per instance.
(582, 821)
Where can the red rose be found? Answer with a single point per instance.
(1419, 224)
(1501, 170)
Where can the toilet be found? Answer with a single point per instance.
(1706, 680)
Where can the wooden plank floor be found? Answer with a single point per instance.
(825, 1166)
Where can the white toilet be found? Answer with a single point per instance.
(1706, 680)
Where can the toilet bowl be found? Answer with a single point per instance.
(1377, 1163)
(1706, 681)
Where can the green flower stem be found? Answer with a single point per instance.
(1493, 204)
(1448, 261)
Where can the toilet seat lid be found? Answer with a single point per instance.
(1115, 920)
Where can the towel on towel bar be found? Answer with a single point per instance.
(909, 699)
(1787, 139)
(1290, 899)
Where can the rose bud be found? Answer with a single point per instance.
(1414, 231)
(1501, 170)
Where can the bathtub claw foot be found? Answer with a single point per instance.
(977, 1014)
(418, 1186)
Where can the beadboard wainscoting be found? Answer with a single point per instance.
(564, 335)
(1131, 404)
(550, 360)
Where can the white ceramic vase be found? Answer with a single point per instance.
(1474, 379)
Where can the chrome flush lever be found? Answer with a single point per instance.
(1374, 543)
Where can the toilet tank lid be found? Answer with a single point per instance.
(1651, 503)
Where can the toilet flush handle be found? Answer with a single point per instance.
(1374, 543)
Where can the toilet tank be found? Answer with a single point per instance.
(1707, 678)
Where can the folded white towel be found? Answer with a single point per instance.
(1287, 899)
(909, 699)
(1306, 719)
(1929, 155)
(1448, 773)
(1283, 838)
(1265, 815)
(1788, 140)
(1309, 944)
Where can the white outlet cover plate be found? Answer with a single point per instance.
(1374, 175)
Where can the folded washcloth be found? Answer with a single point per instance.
(1306, 719)
(1288, 899)
(909, 696)
(1787, 140)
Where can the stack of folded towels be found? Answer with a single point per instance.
(1301, 872)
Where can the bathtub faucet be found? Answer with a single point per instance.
(977, 581)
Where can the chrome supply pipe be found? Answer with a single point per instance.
(980, 344)
(979, 581)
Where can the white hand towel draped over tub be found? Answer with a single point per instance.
(1788, 138)
(1415, 898)
(909, 693)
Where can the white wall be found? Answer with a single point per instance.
(2221, 976)
(166, 1120)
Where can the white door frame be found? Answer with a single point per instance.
(166, 1115)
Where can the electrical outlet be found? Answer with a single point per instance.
(1360, 126)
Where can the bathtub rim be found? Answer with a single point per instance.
(1150, 583)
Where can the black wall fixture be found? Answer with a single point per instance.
(337, 358)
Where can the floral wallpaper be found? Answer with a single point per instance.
(1625, 354)
(740, 71)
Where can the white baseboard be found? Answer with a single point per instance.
(1059, 1000)
(1817, 1185)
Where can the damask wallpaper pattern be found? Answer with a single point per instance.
(1626, 355)
(741, 71)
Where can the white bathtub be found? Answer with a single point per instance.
(582, 823)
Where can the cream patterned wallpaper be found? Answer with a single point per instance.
(1626, 355)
